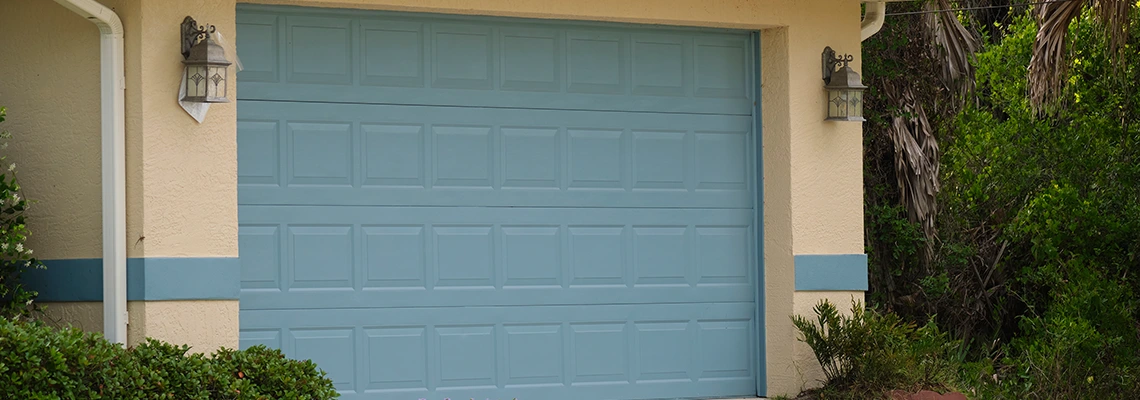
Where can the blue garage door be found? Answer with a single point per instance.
(436, 206)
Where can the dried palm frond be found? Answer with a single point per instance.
(916, 161)
(1050, 54)
(952, 43)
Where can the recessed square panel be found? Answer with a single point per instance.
(466, 356)
(723, 254)
(725, 349)
(259, 48)
(534, 354)
(462, 57)
(598, 255)
(662, 255)
(659, 160)
(597, 63)
(531, 157)
(530, 60)
(665, 350)
(320, 154)
(392, 53)
(333, 349)
(261, 256)
(321, 256)
(393, 155)
(659, 65)
(532, 255)
(258, 152)
(722, 160)
(595, 158)
(721, 67)
(463, 155)
(270, 338)
(599, 352)
(320, 50)
(397, 357)
(394, 256)
(464, 256)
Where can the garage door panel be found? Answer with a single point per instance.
(336, 154)
(306, 257)
(576, 350)
(345, 57)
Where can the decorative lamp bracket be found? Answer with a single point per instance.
(192, 33)
(831, 60)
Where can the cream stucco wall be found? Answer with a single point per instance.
(182, 176)
(172, 321)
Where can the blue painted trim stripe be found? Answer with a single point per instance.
(214, 278)
(831, 272)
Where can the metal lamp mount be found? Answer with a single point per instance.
(192, 33)
(830, 60)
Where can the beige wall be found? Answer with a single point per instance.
(182, 176)
(159, 319)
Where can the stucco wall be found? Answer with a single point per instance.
(173, 321)
(182, 175)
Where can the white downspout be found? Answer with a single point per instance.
(112, 86)
(872, 19)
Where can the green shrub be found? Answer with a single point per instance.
(15, 256)
(40, 362)
(869, 353)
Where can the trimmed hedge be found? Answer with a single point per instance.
(41, 362)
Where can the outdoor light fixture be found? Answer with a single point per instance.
(206, 64)
(844, 90)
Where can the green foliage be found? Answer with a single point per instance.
(40, 362)
(15, 256)
(868, 353)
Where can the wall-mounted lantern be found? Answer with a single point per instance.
(206, 65)
(844, 89)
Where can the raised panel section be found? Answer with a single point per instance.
(466, 356)
(534, 354)
(393, 154)
(258, 153)
(720, 67)
(723, 254)
(597, 62)
(596, 158)
(661, 255)
(531, 60)
(321, 256)
(394, 256)
(659, 160)
(259, 48)
(392, 53)
(462, 58)
(270, 338)
(660, 65)
(600, 352)
(397, 358)
(532, 255)
(665, 350)
(333, 349)
(725, 349)
(463, 156)
(261, 245)
(320, 153)
(598, 255)
(722, 160)
(320, 50)
(531, 157)
(464, 256)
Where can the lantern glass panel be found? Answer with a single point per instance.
(856, 104)
(196, 81)
(217, 83)
(837, 103)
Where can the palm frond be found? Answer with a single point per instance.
(952, 43)
(916, 160)
(1049, 63)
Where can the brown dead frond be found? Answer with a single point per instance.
(916, 160)
(953, 44)
(1051, 55)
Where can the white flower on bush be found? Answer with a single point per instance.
(29, 252)
(12, 167)
(19, 247)
(15, 198)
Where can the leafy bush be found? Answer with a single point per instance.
(15, 256)
(40, 362)
(870, 353)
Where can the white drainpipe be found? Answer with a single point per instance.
(872, 19)
(112, 86)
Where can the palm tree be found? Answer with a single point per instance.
(1050, 54)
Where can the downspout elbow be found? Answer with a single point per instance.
(872, 19)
